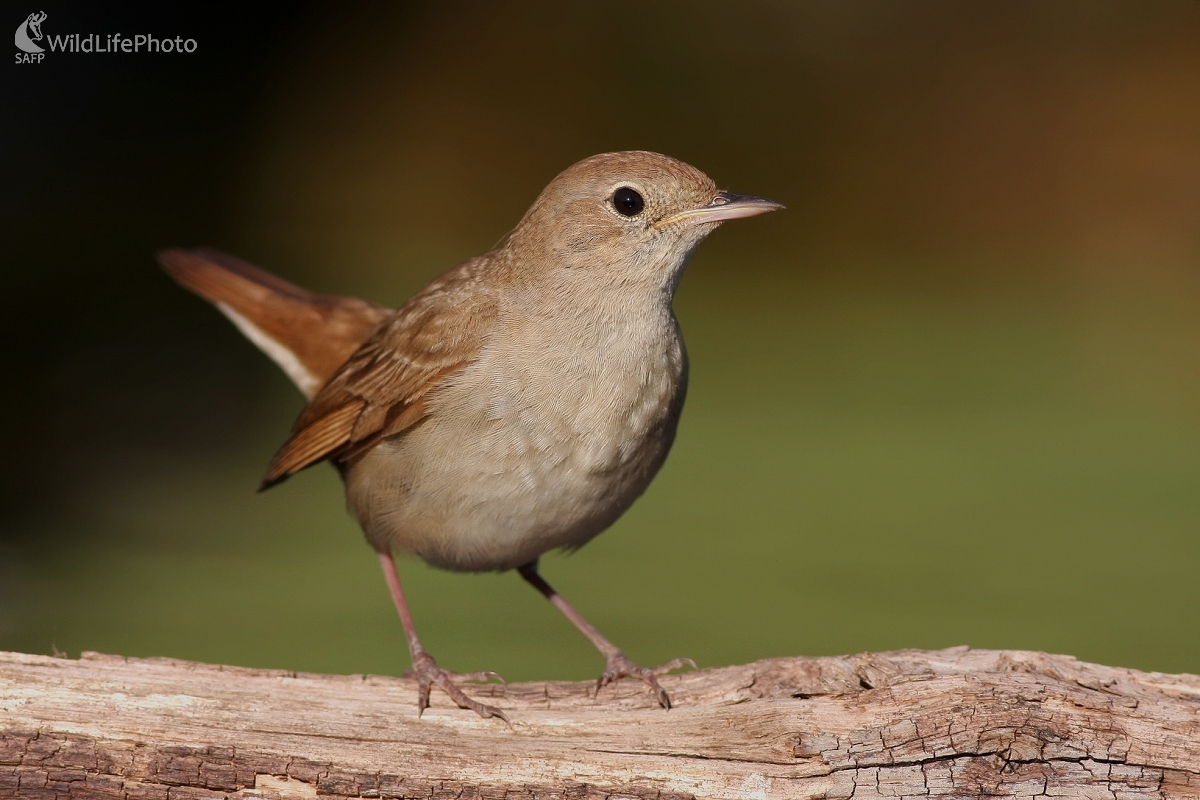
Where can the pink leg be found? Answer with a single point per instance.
(616, 665)
(425, 669)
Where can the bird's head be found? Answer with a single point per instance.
(632, 217)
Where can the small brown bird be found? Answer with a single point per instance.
(519, 403)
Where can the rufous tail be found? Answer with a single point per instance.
(308, 335)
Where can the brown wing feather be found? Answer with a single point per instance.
(384, 387)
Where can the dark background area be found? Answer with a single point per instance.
(950, 396)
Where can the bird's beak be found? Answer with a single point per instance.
(726, 205)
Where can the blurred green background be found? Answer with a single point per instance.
(950, 396)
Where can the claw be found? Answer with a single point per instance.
(618, 666)
(428, 674)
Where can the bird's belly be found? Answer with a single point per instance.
(493, 478)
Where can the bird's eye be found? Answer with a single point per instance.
(627, 202)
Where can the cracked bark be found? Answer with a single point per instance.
(953, 723)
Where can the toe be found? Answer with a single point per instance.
(428, 674)
(618, 666)
(674, 664)
(480, 677)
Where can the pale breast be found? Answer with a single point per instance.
(542, 443)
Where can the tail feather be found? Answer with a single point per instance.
(308, 335)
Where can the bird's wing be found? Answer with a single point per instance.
(308, 335)
(384, 388)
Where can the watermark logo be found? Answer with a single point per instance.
(30, 32)
(31, 25)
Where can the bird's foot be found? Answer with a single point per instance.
(429, 674)
(618, 666)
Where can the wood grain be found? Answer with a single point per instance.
(951, 723)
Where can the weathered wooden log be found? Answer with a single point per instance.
(952, 723)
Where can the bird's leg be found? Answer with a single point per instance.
(616, 664)
(424, 668)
